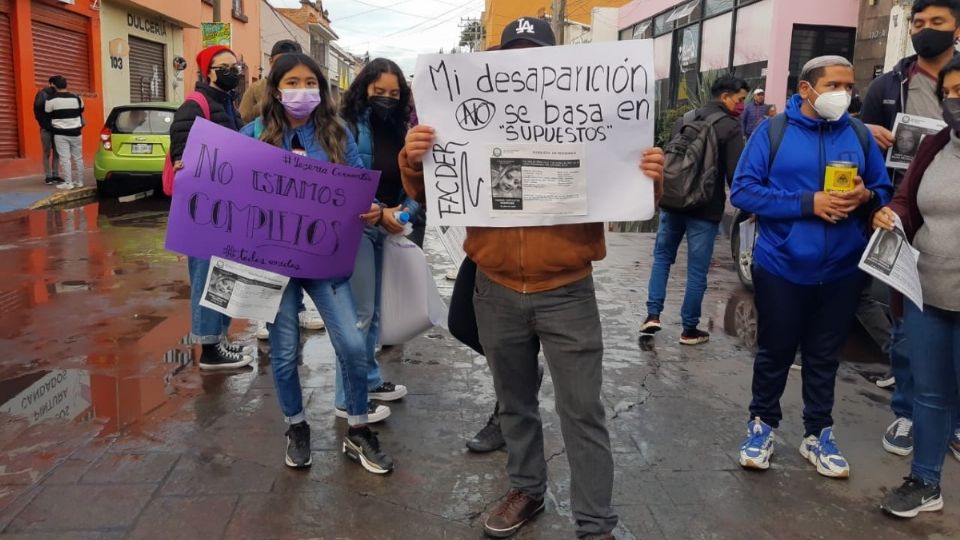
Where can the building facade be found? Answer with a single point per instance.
(764, 41)
(497, 13)
(244, 19)
(39, 39)
(275, 26)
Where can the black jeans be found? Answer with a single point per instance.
(817, 320)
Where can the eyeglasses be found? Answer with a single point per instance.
(233, 68)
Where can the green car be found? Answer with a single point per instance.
(133, 147)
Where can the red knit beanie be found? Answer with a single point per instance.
(205, 56)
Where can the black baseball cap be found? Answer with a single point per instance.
(285, 46)
(529, 28)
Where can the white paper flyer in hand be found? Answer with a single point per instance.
(892, 260)
(908, 133)
(537, 180)
(243, 292)
(452, 239)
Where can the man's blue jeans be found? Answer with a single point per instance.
(334, 301)
(207, 327)
(934, 337)
(701, 237)
(365, 284)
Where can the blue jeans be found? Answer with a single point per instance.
(701, 237)
(207, 327)
(902, 401)
(934, 336)
(335, 304)
(365, 286)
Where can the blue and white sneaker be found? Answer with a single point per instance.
(822, 451)
(756, 451)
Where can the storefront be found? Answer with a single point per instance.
(39, 39)
(140, 55)
(765, 42)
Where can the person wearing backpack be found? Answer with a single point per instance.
(806, 279)
(701, 156)
(213, 100)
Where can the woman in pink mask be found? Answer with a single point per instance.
(299, 116)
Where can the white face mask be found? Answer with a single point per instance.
(831, 105)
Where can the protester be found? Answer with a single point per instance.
(805, 276)
(298, 115)
(376, 108)
(254, 96)
(65, 111)
(754, 113)
(928, 204)
(219, 76)
(51, 165)
(910, 88)
(560, 298)
(701, 224)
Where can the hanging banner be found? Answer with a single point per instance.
(538, 136)
(215, 33)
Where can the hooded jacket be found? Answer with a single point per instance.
(307, 134)
(222, 112)
(794, 243)
(524, 259)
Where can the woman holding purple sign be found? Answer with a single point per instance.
(298, 115)
(213, 100)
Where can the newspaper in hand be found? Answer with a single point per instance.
(243, 292)
(908, 133)
(892, 260)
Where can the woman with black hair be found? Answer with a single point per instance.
(298, 116)
(928, 205)
(377, 111)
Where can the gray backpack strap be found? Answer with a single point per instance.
(775, 133)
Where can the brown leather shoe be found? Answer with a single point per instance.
(512, 512)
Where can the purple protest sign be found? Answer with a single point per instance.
(262, 206)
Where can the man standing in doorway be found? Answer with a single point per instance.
(51, 166)
(65, 110)
(701, 224)
(755, 112)
(910, 88)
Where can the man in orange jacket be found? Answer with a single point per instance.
(535, 287)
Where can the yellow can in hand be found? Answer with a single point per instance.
(839, 176)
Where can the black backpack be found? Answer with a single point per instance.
(690, 169)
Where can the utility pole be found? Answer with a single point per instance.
(559, 19)
(216, 10)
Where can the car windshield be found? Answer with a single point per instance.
(146, 121)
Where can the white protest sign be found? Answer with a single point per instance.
(586, 112)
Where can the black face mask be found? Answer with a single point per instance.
(930, 43)
(384, 107)
(227, 78)
(951, 113)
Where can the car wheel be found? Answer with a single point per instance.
(743, 262)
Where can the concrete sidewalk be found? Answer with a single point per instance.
(31, 192)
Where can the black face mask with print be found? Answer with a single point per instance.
(227, 78)
(384, 107)
(951, 113)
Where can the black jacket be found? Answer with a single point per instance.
(730, 138)
(887, 95)
(221, 104)
(39, 104)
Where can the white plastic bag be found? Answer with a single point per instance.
(410, 303)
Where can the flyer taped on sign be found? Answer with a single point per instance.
(571, 124)
(243, 292)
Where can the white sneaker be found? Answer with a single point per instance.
(822, 452)
(451, 275)
(64, 186)
(262, 333)
(310, 317)
(375, 413)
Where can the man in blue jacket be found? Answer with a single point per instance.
(805, 272)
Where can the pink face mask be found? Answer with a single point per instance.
(300, 102)
(738, 109)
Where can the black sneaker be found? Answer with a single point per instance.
(489, 438)
(694, 336)
(898, 438)
(237, 347)
(651, 325)
(223, 359)
(52, 181)
(911, 498)
(362, 446)
(388, 392)
(298, 446)
(375, 413)
(886, 381)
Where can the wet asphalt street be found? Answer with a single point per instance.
(108, 430)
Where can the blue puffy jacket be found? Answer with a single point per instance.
(794, 243)
(308, 138)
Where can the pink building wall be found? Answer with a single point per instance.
(786, 13)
